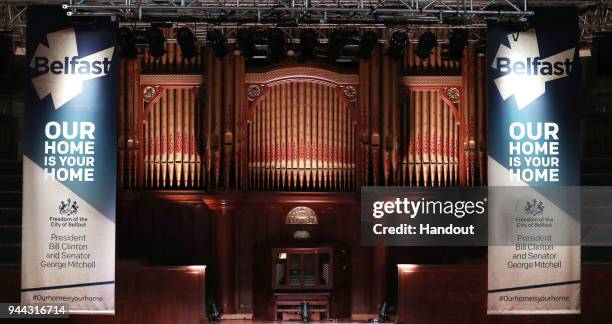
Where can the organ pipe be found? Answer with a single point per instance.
(170, 163)
(307, 140)
(430, 141)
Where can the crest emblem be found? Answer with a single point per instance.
(534, 208)
(68, 207)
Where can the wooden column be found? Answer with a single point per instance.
(364, 108)
(375, 141)
(471, 118)
(463, 120)
(378, 280)
(482, 124)
(223, 237)
(223, 222)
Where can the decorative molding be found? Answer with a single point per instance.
(432, 80)
(350, 93)
(301, 215)
(301, 235)
(453, 94)
(253, 92)
(296, 73)
(149, 93)
(175, 80)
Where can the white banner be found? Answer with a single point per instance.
(533, 143)
(69, 163)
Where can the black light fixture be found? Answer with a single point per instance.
(308, 43)
(427, 42)
(276, 43)
(383, 312)
(187, 42)
(337, 41)
(305, 312)
(214, 313)
(367, 44)
(127, 43)
(157, 42)
(141, 38)
(6, 51)
(217, 42)
(601, 51)
(457, 41)
(397, 44)
(246, 41)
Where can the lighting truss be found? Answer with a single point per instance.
(321, 14)
(303, 11)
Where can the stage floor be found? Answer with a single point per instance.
(289, 322)
(265, 322)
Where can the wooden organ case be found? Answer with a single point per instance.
(207, 123)
(213, 153)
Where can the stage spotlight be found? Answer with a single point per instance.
(601, 50)
(308, 43)
(214, 313)
(157, 42)
(187, 42)
(427, 42)
(456, 43)
(217, 42)
(246, 40)
(305, 312)
(369, 41)
(276, 43)
(383, 312)
(141, 38)
(127, 43)
(397, 45)
(337, 41)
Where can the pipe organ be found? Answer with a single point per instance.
(304, 128)
(171, 143)
(432, 157)
(301, 137)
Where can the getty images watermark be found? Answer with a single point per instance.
(528, 218)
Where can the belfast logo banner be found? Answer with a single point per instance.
(534, 229)
(69, 162)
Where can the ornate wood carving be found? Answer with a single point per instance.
(303, 72)
(172, 80)
(435, 81)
